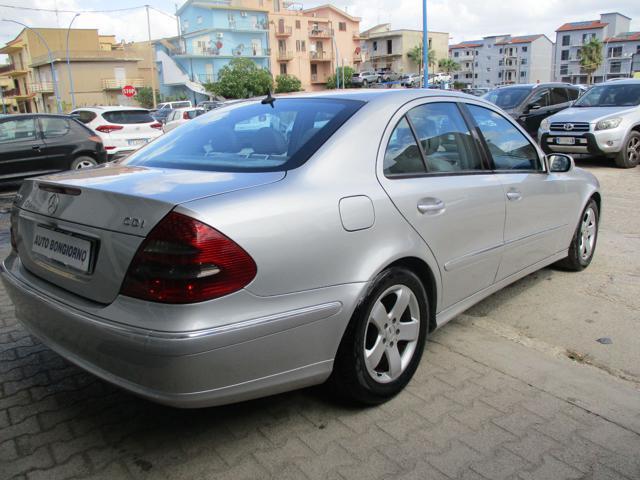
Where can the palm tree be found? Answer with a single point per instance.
(415, 55)
(591, 57)
(448, 65)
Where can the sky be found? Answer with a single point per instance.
(463, 19)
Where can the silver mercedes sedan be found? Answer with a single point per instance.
(271, 245)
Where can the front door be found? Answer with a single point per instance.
(444, 191)
(538, 205)
(22, 151)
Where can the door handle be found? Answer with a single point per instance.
(514, 195)
(431, 206)
(36, 147)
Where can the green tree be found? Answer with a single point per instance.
(241, 78)
(348, 73)
(415, 55)
(591, 57)
(448, 65)
(288, 83)
(144, 97)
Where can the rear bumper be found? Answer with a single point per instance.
(253, 358)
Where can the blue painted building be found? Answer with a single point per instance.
(213, 32)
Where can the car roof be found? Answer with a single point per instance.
(110, 108)
(623, 81)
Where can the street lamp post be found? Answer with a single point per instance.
(71, 88)
(53, 68)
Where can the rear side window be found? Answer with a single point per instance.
(402, 156)
(540, 98)
(18, 130)
(194, 113)
(85, 116)
(559, 95)
(574, 93)
(54, 127)
(127, 117)
(509, 148)
(445, 139)
(250, 137)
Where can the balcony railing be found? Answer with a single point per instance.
(320, 56)
(247, 25)
(315, 78)
(85, 55)
(41, 87)
(118, 83)
(283, 31)
(7, 68)
(283, 55)
(321, 33)
(206, 78)
(237, 51)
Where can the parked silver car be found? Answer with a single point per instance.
(603, 121)
(364, 79)
(271, 245)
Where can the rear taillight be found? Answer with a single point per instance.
(95, 138)
(109, 147)
(13, 229)
(157, 125)
(185, 261)
(108, 128)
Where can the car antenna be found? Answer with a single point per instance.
(268, 100)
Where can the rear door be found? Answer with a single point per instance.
(442, 187)
(59, 142)
(22, 150)
(538, 205)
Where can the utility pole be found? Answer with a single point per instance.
(177, 21)
(153, 60)
(53, 68)
(4, 108)
(425, 46)
(71, 88)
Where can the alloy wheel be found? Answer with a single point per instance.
(391, 334)
(633, 150)
(84, 164)
(588, 230)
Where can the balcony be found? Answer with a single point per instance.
(316, 78)
(13, 70)
(320, 33)
(118, 83)
(206, 78)
(382, 55)
(17, 94)
(237, 51)
(320, 56)
(246, 25)
(284, 56)
(41, 87)
(356, 36)
(284, 31)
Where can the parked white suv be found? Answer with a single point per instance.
(603, 121)
(122, 129)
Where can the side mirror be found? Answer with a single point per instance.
(558, 163)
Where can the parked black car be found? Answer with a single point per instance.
(529, 104)
(36, 144)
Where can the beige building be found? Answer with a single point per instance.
(384, 48)
(312, 43)
(99, 66)
(7, 105)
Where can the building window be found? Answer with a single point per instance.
(615, 52)
(389, 47)
(276, 5)
(566, 40)
(488, 69)
(455, 76)
(564, 69)
(524, 49)
(456, 54)
(578, 54)
(500, 63)
(500, 51)
(475, 76)
(375, 46)
(564, 55)
(616, 67)
(199, 19)
(638, 49)
(523, 61)
(476, 64)
(587, 36)
(297, 24)
(300, 46)
(342, 26)
(283, 69)
(523, 74)
(499, 74)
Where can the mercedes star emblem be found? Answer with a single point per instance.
(53, 204)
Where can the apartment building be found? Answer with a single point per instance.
(384, 48)
(99, 66)
(503, 60)
(7, 105)
(312, 43)
(619, 52)
(570, 38)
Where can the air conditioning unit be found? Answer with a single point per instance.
(219, 35)
(243, 14)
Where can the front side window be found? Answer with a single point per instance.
(18, 130)
(250, 136)
(510, 149)
(611, 95)
(402, 156)
(558, 95)
(540, 98)
(54, 127)
(574, 93)
(508, 97)
(445, 139)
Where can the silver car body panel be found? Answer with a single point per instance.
(319, 235)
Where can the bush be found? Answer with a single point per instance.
(288, 83)
(144, 97)
(241, 78)
(348, 73)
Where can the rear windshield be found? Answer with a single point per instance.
(126, 117)
(507, 97)
(180, 104)
(250, 136)
(611, 95)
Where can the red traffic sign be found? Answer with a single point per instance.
(129, 91)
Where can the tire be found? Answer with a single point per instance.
(373, 364)
(629, 156)
(82, 162)
(583, 245)
(365, 84)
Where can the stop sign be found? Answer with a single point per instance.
(129, 90)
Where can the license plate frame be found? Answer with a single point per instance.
(55, 247)
(565, 140)
(137, 142)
